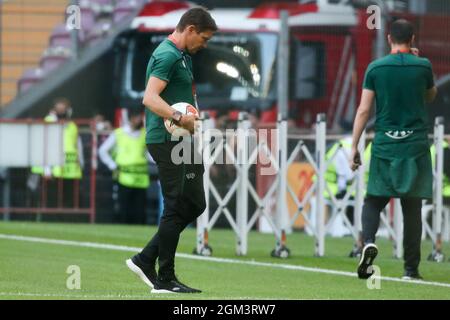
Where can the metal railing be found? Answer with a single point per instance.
(47, 195)
(312, 206)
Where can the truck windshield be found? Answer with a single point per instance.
(236, 69)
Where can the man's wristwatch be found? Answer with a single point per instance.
(176, 117)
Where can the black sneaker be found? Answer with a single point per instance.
(368, 255)
(172, 286)
(148, 275)
(412, 275)
(356, 252)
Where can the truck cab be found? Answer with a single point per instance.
(330, 48)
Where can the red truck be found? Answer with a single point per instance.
(330, 49)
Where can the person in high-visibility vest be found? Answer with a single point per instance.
(73, 154)
(338, 174)
(446, 183)
(130, 162)
(338, 177)
(73, 159)
(446, 180)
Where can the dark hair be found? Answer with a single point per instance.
(133, 112)
(64, 101)
(198, 17)
(402, 31)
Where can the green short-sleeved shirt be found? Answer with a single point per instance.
(400, 164)
(169, 64)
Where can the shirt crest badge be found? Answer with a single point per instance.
(398, 135)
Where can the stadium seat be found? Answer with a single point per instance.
(88, 16)
(97, 17)
(29, 78)
(98, 6)
(102, 2)
(99, 31)
(62, 37)
(53, 57)
(124, 8)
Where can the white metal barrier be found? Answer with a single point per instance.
(439, 218)
(247, 154)
(355, 189)
(315, 219)
(247, 151)
(242, 161)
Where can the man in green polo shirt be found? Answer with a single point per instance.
(170, 80)
(400, 166)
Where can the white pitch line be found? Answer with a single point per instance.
(121, 296)
(73, 296)
(213, 259)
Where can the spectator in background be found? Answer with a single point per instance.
(125, 152)
(101, 124)
(73, 148)
(339, 177)
(221, 120)
(446, 168)
(71, 170)
(447, 172)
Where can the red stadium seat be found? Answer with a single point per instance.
(29, 78)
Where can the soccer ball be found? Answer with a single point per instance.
(172, 128)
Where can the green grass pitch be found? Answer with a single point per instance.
(35, 270)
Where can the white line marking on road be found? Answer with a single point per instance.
(213, 259)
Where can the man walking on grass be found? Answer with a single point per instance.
(170, 80)
(400, 166)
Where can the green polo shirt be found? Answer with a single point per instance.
(173, 66)
(400, 164)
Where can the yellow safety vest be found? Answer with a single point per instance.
(131, 160)
(446, 181)
(330, 173)
(71, 168)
